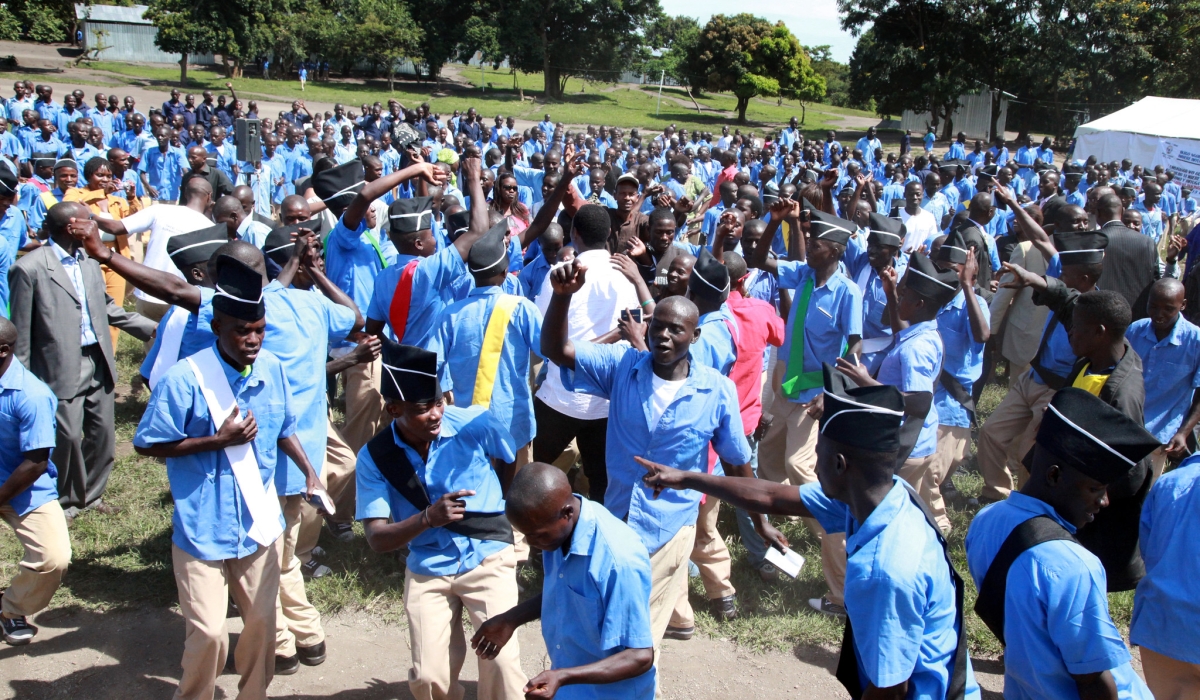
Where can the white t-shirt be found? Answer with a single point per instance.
(665, 391)
(163, 221)
(594, 311)
(918, 228)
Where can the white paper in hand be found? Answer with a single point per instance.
(787, 561)
(321, 499)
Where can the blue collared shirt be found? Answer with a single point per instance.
(353, 263)
(459, 458)
(1152, 223)
(533, 275)
(27, 423)
(1056, 621)
(1171, 368)
(716, 347)
(71, 265)
(211, 520)
(963, 358)
(14, 234)
(596, 603)
(912, 364)
(705, 410)
(458, 341)
(1166, 612)
(835, 313)
(226, 155)
(196, 336)
(899, 594)
(164, 171)
(301, 326)
(432, 278)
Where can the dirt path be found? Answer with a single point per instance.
(136, 655)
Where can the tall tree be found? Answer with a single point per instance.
(751, 57)
(667, 43)
(188, 28)
(386, 34)
(593, 39)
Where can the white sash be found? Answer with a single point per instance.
(261, 500)
(168, 347)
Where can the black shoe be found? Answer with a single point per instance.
(311, 656)
(287, 665)
(724, 608)
(681, 634)
(17, 631)
(768, 573)
(314, 569)
(342, 532)
(823, 606)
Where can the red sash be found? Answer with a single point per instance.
(401, 300)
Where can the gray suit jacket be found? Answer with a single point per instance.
(1130, 266)
(46, 311)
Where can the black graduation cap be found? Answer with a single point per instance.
(409, 373)
(992, 171)
(886, 230)
(1041, 165)
(338, 186)
(40, 158)
(866, 417)
(188, 249)
(949, 164)
(279, 246)
(830, 227)
(1084, 432)
(953, 250)
(710, 279)
(925, 279)
(1080, 248)
(8, 181)
(457, 224)
(1128, 191)
(489, 254)
(65, 163)
(411, 214)
(238, 290)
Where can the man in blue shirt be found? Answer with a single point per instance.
(665, 405)
(866, 261)
(1165, 618)
(433, 480)
(1169, 346)
(824, 323)
(1152, 215)
(1040, 591)
(227, 518)
(162, 169)
(13, 232)
(29, 492)
(594, 602)
(904, 632)
(868, 145)
(789, 136)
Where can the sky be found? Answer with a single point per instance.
(814, 22)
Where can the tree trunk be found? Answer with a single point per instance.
(392, 78)
(693, 99)
(742, 104)
(183, 70)
(948, 122)
(803, 112)
(992, 132)
(551, 81)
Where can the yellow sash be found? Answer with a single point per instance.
(493, 345)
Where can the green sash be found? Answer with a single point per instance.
(370, 239)
(795, 379)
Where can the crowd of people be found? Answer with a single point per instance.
(565, 348)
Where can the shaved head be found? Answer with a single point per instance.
(540, 505)
(680, 308)
(8, 332)
(1167, 288)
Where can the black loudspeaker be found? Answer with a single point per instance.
(248, 133)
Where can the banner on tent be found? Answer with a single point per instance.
(1181, 158)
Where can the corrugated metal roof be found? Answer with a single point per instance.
(112, 13)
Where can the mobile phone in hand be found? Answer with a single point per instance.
(634, 315)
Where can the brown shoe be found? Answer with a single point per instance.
(105, 509)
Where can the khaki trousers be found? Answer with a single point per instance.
(43, 534)
(435, 604)
(668, 577)
(297, 622)
(711, 556)
(788, 455)
(337, 475)
(365, 414)
(524, 456)
(1008, 434)
(204, 591)
(151, 310)
(1158, 462)
(1170, 679)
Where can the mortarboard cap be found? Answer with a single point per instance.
(866, 417)
(886, 230)
(1129, 192)
(953, 250)
(1084, 432)
(411, 214)
(65, 163)
(457, 224)
(1080, 248)
(195, 247)
(42, 159)
(992, 171)
(8, 181)
(409, 373)
(830, 227)
(279, 247)
(338, 186)
(928, 281)
(489, 254)
(238, 290)
(710, 278)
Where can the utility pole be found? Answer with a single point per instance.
(661, 77)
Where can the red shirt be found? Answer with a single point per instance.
(758, 326)
(726, 175)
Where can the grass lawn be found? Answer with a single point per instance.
(584, 102)
(124, 561)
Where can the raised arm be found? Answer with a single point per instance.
(471, 165)
(549, 210)
(308, 259)
(171, 289)
(372, 191)
(556, 345)
(980, 325)
(1037, 235)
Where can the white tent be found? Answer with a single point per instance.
(1152, 131)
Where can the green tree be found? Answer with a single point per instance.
(751, 57)
(595, 40)
(385, 34)
(10, 26)
(836, 75)
(188, 28)
(667, 41)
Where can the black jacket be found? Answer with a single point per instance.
(1130, 266)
